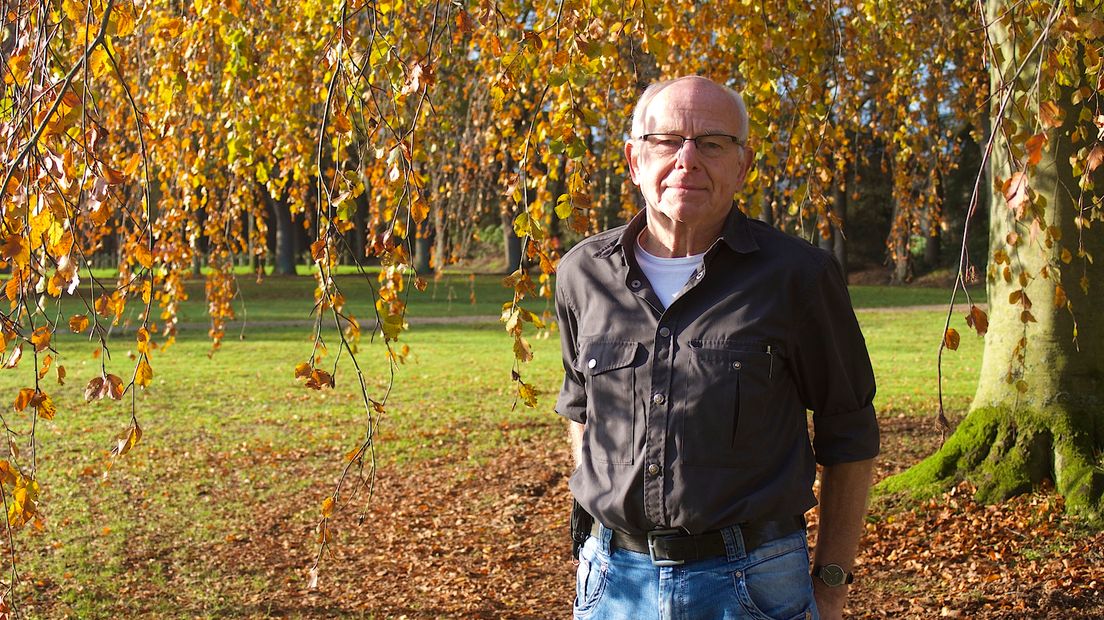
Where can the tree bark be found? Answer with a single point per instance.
(1038, 414)
(285, 234)
(512, 244)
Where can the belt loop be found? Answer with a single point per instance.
(734, 543)
(605, 534)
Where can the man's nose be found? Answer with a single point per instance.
(688, 155)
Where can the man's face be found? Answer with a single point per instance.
(688, 187)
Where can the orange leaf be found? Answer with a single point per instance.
(978, 320)
(1050, 114)
(419, 210)
(114, 387)
(94, 389)
(125, 441)
(40, 338)
(143, 340)
(1015, 193)
(143, 255)
(45, 368)
(24, 398)
(327, 507)
(1035, 148)
(318, 250)
(1060, 298)
(111, 176)
(44, 405)
(1095, 158)
(302, 370)
(341, 123)
(951, 339)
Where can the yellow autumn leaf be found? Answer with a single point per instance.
(78, 323)
(143, 374)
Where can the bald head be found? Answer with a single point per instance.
(641, 112)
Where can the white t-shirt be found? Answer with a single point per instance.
(667, 275)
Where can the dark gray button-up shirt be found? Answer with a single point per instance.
(696, 415)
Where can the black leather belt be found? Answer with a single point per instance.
(674, 547)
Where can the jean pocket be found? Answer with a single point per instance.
(590, 580)
(775, 583)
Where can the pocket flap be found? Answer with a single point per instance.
(599, 357)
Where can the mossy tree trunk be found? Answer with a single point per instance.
(1038, 414)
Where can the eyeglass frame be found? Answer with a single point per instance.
(735, 139)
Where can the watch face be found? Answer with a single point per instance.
(833, 575)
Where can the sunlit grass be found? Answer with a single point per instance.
(228, 433)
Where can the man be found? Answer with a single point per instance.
(694, 341)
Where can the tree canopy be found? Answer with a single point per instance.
(152, 135)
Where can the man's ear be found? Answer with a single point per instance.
(746, 161)
(630, 156)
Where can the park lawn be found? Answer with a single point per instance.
(286, 298)
(278, 298)
(233, 436)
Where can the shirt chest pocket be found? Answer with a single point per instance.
(729, 412)
(614, 411)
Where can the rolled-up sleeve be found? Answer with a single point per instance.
(572, 401)
(833, 371)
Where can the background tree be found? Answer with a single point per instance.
(1037, 416)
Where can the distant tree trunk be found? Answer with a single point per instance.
(766, 214)
(839, 241)
(512, 243)
(440, 240)
(284, 264)
(900, 254)
(423, 244)
(360, 226)
(1038, 414)
(932, 246)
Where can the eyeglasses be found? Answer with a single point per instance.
(710, 145)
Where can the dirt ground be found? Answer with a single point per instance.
(454, 540)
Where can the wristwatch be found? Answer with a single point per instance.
(833, 575)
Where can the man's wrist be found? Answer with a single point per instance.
(832, 575)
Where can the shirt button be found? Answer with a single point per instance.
(592, 363)
(736, 365)
(659, 399)
(663, 331)
(653, 470)
(700, 275)
(635, 284)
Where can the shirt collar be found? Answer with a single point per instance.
(736, 234)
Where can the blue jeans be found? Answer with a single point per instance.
(770, 583)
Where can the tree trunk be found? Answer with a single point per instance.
(440, 240)
(902, 253)
(512, 244)
(839, 241)
(1038, 414)
(285, 235)
(423, 245)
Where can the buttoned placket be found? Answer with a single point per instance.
(659, 405)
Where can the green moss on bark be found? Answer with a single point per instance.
(1005, 453)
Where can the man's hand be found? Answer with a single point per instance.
(575, 435)
(830, 601)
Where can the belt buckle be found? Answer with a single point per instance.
(652, 535)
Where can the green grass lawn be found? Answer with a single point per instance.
(291, 299)
(227, 433)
